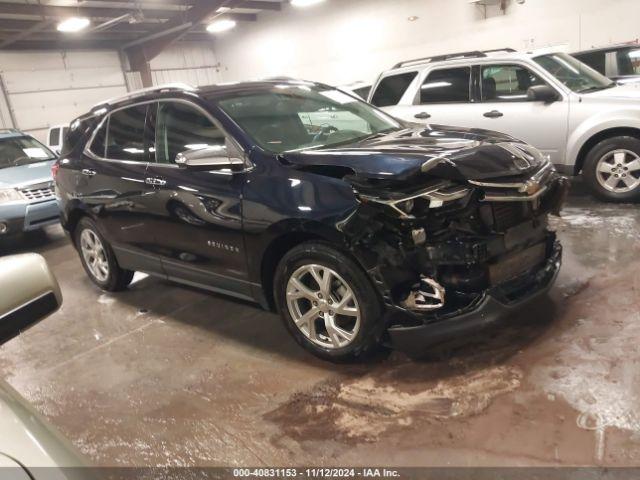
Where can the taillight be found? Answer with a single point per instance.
(54, 170)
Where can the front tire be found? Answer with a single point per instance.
(98, 259)
(328, 303)
(612, 169)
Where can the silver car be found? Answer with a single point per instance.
(29, 447)
(583, 121)
(27, 197)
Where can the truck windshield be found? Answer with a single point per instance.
(16, 151)
(576, 75)
(292, 117)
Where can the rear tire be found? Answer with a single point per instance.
(612, 169)
(340, 320)
(98, 259)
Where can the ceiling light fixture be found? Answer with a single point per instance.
(73, 24)
(305, 3)
(221, 26)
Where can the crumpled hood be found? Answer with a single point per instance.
(26, 174)
(436, 151)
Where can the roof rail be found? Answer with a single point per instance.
(452, 56)
(169, 87)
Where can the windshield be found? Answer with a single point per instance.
(22, 151)
(576, 75)
(294, 117)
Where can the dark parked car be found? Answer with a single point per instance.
(618, 62)
(358, 232)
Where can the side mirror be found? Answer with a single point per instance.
(213, 157)
(29, 292)
(542, 93)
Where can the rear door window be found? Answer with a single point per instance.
(125, 137)
(507, 83)
(448, 85)
(391, 89)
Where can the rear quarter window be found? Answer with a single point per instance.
(392, 88)
(596, 60)
(54, 136)
(79, 133)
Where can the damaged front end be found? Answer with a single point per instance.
(453, 255)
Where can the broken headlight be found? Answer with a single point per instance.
(436, 197)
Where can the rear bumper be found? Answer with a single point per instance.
(491, 308)
(24, 217)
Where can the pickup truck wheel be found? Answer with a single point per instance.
(327, 303)
(612, 169)
(98, 258)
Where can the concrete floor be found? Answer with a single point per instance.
(167, 375)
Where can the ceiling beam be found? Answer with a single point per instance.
(14, 25)
(37, 27)
(51, 11)
(141, 51)
(62, 45)
(248, 4)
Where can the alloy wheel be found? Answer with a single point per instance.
(323, 306)
(94, 255)
(619, 171)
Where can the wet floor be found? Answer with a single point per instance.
(167, 375)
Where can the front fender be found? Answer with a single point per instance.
(596, 124)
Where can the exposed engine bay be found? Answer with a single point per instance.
(436, 251)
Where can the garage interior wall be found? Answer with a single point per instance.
(338, 42)
(51, 88)
(42, 89)
(342, 41)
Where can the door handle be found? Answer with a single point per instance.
(494, 114)
(422, 115)
(88, 172)
(155, 181)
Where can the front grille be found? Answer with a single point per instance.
(501, 216)
(38, 192)
(507, 215)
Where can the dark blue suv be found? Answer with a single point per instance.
(358, 228)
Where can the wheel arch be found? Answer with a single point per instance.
(289, 238)
(598, 137)
(74, 214)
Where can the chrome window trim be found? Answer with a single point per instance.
(87, 149)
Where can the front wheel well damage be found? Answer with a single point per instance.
(599, 137)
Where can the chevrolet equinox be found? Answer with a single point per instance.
(356, 227)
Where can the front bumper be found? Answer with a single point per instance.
(24, 217)
(494, 305)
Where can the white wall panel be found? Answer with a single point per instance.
(39, 110)
(52, 88)
(341, 41)
(194, 64)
